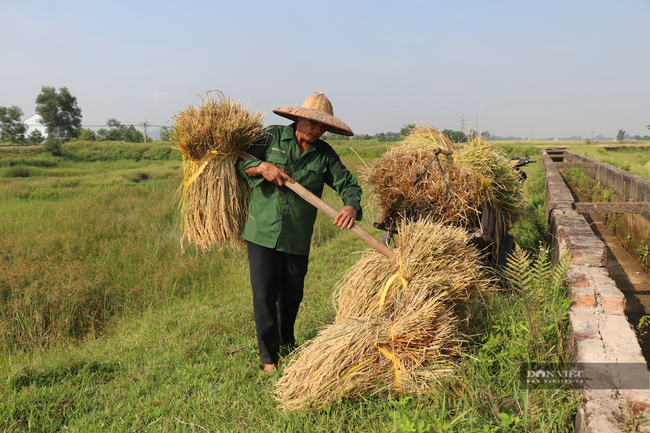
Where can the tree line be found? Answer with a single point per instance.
(115, 132)
(454, 136)
(60, 112)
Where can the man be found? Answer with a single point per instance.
(280, 223)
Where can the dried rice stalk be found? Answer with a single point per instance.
(426, 137)
(400, 337)
(436, 260)
(477, 175)
(345, 359)
(214, 199)
(392, 179)
(500, 185)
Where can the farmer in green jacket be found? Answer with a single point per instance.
(280, 223)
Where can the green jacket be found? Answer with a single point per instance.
(279, 218)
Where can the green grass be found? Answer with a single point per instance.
(634, 159)
(105, 326)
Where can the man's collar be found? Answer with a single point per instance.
(289, 132)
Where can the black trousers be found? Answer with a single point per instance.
(277, 279)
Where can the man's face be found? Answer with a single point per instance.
(309, 130)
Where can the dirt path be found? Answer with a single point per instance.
(626, 271)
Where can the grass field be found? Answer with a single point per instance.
(104, 325)
(632, 156)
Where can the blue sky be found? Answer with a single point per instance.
(522, 68)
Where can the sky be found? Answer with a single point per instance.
(520, 68)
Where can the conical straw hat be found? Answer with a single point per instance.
(318, 108)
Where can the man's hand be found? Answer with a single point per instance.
(272, 173)
(345, 219)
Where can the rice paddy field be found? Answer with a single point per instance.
(106, 326)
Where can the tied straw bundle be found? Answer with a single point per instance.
(396, 326)
(408, 184)
(213, 198)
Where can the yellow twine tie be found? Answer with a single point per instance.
(204, 163)
(398, 274)
(396, 364)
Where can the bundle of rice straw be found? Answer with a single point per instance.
(214, 199)
(477, 175)
(433, 259)
(396, 327)
(372, 355)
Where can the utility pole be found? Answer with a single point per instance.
(144, 125)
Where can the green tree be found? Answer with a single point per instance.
(620, 136)
(119, 132)
(102, 134)
(392, 136)
(35, 137)
(53, 146)
(138, 137)
(407, 129)
(59, 110)
(88, 135)
(166, 134)
(455, 136)
(113, 123)
(10, 127)
(332, 136)
(132, 135)
(114, 135)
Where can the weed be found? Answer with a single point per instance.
(607, 194)
(642, 326)
(632, 419)
(642, 253)
(408, 419)
(18, 171)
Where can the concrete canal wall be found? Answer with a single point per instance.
(631, 189)
(600, 332)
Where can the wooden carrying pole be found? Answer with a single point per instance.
(332, 213)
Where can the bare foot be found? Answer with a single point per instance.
(269, 368)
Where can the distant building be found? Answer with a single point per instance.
(33, 123)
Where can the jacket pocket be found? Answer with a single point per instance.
(276, 157)
(314, 177)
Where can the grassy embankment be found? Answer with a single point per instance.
(105, 326)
